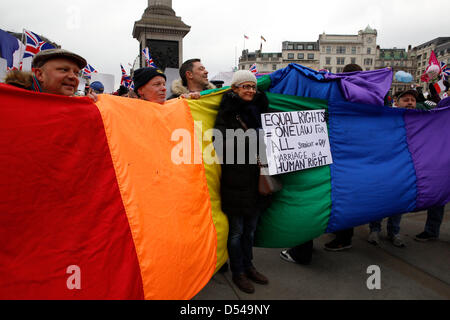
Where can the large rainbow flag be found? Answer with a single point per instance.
(94, 185)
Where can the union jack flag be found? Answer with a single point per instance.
(88, 70)
(126, 79)
(148, 58)
(34, 44)
(253, 69)
(445, 70)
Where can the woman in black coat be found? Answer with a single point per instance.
(241, 108)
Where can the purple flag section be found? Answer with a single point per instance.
(427, 133)
(444, 103)
(369, 87)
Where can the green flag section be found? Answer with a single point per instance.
(301, 210)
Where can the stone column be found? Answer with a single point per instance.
(162, 32)
(167, 3)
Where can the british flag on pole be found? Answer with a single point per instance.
(445, 70)
(34, 44)
(88, 70)
(253, 69)
(148, 58)
(126, 79)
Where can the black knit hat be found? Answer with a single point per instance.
(143, 75)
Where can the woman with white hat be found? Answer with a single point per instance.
(241, 108)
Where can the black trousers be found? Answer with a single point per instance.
(345, 235)
(302, 253)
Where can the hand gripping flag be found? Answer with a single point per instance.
(246, 37)
(34, 44)
(148, 58)
(11, 49)
(88, 70)
(264, 39)
(253, 69)
(126, 79)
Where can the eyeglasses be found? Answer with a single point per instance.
(248, 87)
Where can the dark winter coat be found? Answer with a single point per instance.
(178, 89)
(239, 182)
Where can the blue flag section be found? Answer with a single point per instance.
(372, 175)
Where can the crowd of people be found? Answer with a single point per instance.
(56, 71)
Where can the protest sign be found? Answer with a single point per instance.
(296, 140)
(106, 79)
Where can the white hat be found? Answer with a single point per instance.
(242, 76)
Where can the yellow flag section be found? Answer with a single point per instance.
(204, 111)
(167, 204)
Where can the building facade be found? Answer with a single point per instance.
(331, 52)
(265, 62)
(338, 50)
(422, 54)
(443, 52)
(397, 60)
(305, 53)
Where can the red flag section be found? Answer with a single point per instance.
(64, 233)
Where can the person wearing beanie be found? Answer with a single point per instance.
(240, 110)
(122, 91)
(242, 76)
(150, 84)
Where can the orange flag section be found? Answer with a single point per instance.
(167, 204)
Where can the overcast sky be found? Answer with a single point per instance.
(101, 31)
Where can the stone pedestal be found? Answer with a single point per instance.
(162, 32)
